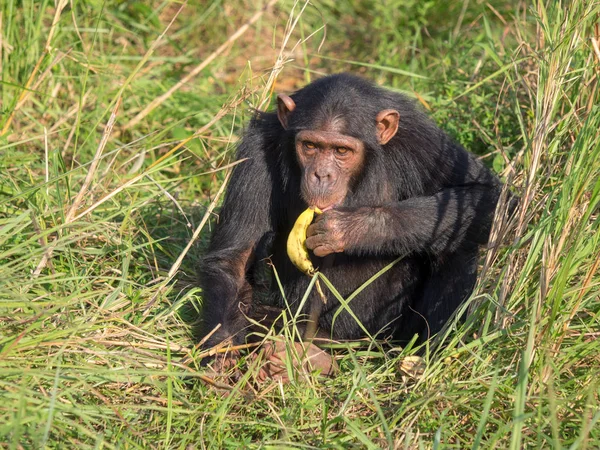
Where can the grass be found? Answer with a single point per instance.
(107, 190)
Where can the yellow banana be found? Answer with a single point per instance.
(296, 243)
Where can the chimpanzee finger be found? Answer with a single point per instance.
(315, 241)
(323, 250)
(316, 228)
(319, 217)
(325, 216)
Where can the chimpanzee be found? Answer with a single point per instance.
(391, 184)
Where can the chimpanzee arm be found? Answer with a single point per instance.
(436, 224)
(243, 220)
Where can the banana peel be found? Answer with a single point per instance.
(298, 254)
(296, 243)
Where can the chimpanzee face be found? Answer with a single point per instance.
(329, 161)
(328, 158)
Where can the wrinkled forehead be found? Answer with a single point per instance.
(338, 110)
(326, 138)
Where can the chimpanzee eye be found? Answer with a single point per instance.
(309, 145)
(342, 150)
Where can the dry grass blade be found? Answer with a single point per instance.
(28, 88)
(92, 169)
(69, 217)
(291, 24)
(199, 68)
(199, 228)
(168, 154)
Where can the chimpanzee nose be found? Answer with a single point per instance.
(323, 177)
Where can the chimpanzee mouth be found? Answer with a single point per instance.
(326, 203)
(323, 206)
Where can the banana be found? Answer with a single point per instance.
(296, 243)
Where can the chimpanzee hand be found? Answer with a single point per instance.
(337, 230)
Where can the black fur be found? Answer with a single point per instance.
(435, 203)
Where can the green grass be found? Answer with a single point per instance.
(102, 221)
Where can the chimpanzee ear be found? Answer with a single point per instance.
(387, 125)
(285, 105)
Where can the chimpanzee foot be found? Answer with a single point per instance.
(223, 365)
(305, 358)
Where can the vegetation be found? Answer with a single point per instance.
(118, 125)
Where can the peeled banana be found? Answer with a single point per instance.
(296, 243)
